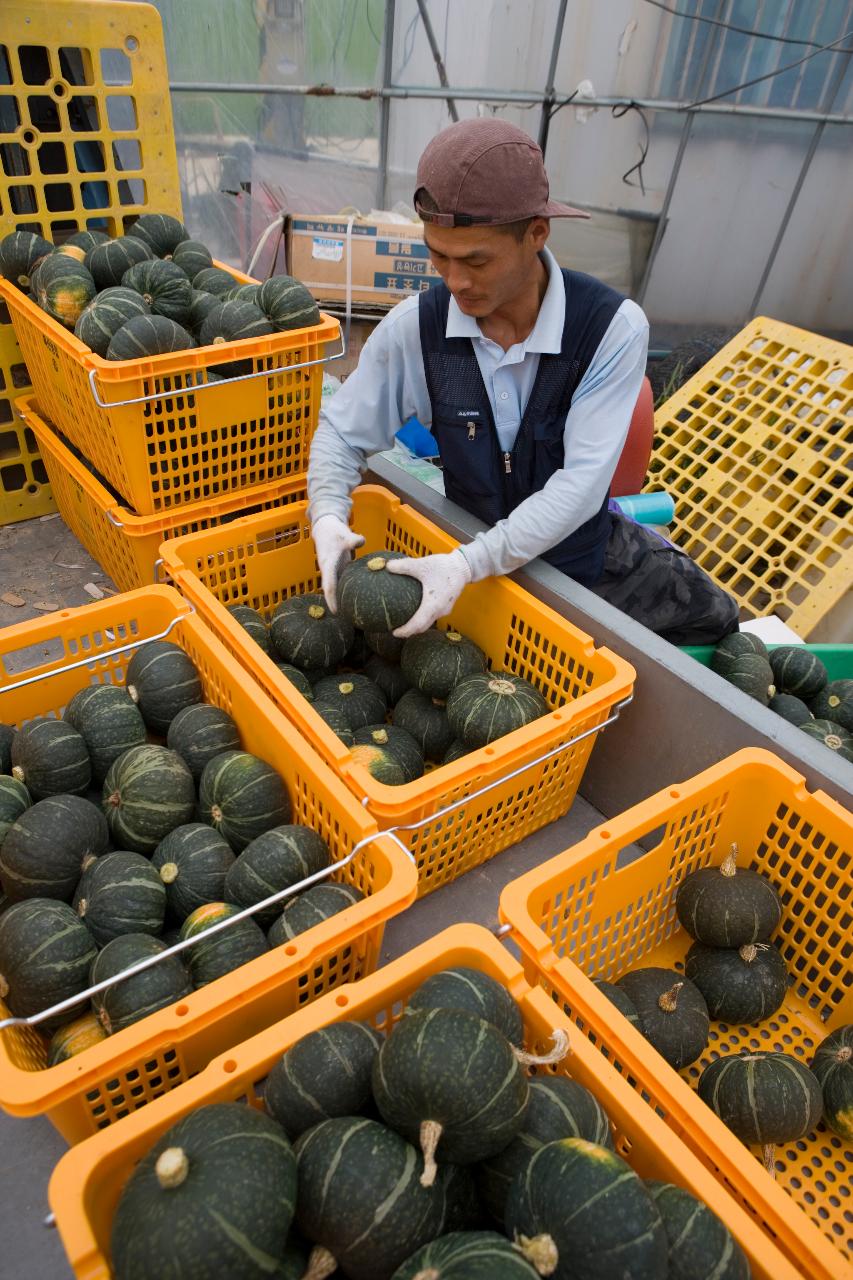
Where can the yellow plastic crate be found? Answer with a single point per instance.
(24, 485)
(757, 451)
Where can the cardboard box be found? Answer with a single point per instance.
(383, 261)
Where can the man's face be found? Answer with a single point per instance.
(485, 268)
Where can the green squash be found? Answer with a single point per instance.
(160, 231)
(164, 288)
(463, 1210)
(14, 801)
(798, 671)
(764, 1098)
(201, 732)
(191, 256)
(361, 1197)
(147, 793)
(482, 708)
(243, 293)
(192, 862)
(108, 261)
(63, 287)
(231, 320)
(448, 1080)
(274, 861)
(436, 661)
(792, 709)
(733, 647)
(86, 240)
(622, 1000)
(357, 697)
(467, 1255)
(739, 986)
(700, 1246)
(20, 253)
(833, 1067)
(227, 949)
(121, 893)
(313, 907)
(152, 335)
(213, 1197)
(132, 999)
(385, 644)
(45, 954)
(455, 751)
(250, 620)
(287, 303)
(102, 318)
(672, 1013)
(298, 679)
(51, 759)
(305, 632)
(242, 797)
(75, 1037)
(379, 763)
(831, 735)
(7, 735)
(43, 853)
(835, 703)
(398, 743)
(475, 992)
(326, 1073)
(108, 721)
(579, 1209)
(336, 719)
(426, 720)
(727, 906)
(162, 681)
(201, 305)
(388, 676)
(213, 280)
(753, 675)
(372, 598)
(558, 1108)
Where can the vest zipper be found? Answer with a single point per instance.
(508, 463)
(472, 431)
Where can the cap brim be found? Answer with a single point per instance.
(554, 209)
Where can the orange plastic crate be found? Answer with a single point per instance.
(266, 558)
(125, 545)
(87, 1182)
(201, 439)
(590, 914)
(93, 644)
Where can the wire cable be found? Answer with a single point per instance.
(617, 112)
(769, 75)
(730, 26)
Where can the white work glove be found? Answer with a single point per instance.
(333, 542)
(442, 577)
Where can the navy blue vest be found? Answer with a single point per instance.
(478, 475)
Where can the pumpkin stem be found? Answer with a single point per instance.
(131, 689)
(770, 1159)
(321, 1263)
(380, 735)
(844, 1054)
(376, 562)
(104, 1019)
(748, 952)
(431, 1131)
(438, 702)
(216, 813)
(4, 987)
(669, 1000)
(560, 1050)
(453, 636)
(346, 686)
(172, 1167)
(114, 799)
(729, 867)
(169, 872)
(833, 741)
(316, 611)
(82, 907)
(88, 859)
(17, 772)
(540, 1251)
(429, 1274)
(503, 687)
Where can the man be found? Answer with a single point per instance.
(528, 377)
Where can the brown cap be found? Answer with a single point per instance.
(487, 172)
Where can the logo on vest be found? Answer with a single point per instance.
(467, 413)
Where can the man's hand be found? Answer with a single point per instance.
(333, 542)
(442, 578)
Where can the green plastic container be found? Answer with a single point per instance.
(837, 658)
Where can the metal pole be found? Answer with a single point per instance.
(548, 104)
(439, 61)
(385, 104)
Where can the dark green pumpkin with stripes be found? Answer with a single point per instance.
(201, 732)
(274, 861)
(201, 304)
(148, 336)
(244, 293)
(764, 1098)
(833, 737)
(313, 907)
(162, 680)
(733, 647)
(297, 678)
(109, 260)
(672, 1013)
(305, 632)
(131, 999)
(360, 1196)
(798, 671)
(287, 303)
(121, 893)
(698, 1243)
(252, 621)
(436, 661)
(50, 758)
(191, 256)
(467, 1255)
(357, 697)
(242, 797)
(147, 793)
(213, 280)
(75, 1037)
(385, 644)
(727, 905)
(399, 744)
(388, 676)
(229, 321)
(164, 288)
(63, 287)
(426, 720)
(621, 1000)
(379, 763)
(160, 231)
(213, 1197)
(455, 751)
(581, 1207)
(108, 721)
(45, 954)
(14, 801)
(86, 240)
(832, 1066)
(105, 315)
(336, 719)
(192, 862)
(326, 1073)
(372, 598)
(792, 709)
(7, 735)
(44, 851)
(739, 985)
(20, 252)
(475, 992)
(753, 675)
(227, 949)
(835, 703)
(483, 708)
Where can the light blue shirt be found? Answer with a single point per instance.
(389, 386)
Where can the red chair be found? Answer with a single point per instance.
(630, 474)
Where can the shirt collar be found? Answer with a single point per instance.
(546, 336)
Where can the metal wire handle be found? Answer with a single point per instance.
(195, 387)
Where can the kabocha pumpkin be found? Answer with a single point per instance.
(372, 598)
(835, 703)
(360, 1196)
(45, 954)
(62, 288)
(287, 303)
(398, 743)
(389, 676)
(379, 763)
(385, 644)
(274, 861)
(475, 992)
(201, 304)
(558, 1108)
(753, 675)
(313, 907)
(727, 906)
(335, 719)
(482, 708)
(121, 893)
(436, 661)
(306, 633)
(152, 335)
(201, 732)
(832, 736)
(108, 721)
(20, 253)
(242, 797)
(361, 701)
(579, 1212)
(108, 261)
(463, 1210)
(162, 681)
(7, 734)
(326, 1073)
(50, 758)
(467, 1255)
(833, 1068)
(160, 231)
(43, 853)
(733, 647)
(250, 620)
(164, 288)
(147, 793)
(297, 678)
(235, 1162)
(792, 709)
(220, 953)
(798, 671)
(101, 318)
(231, 320)
(87, 240)
(192, 862)
(75, 1037)
(426, 720)
(213, 280)
(700, 1246)
(764, 1098)
(14, 800)
(191, 256)
(622, 1001)
(672, 1013)
(738, 986)
(129, 1000)
(243, 293)
(455, 751)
